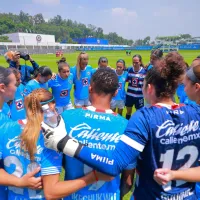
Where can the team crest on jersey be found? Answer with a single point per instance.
(64, 93)
(134, 81)
(19, 104)
(120, 86)
(85, 81)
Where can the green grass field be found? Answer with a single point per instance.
(113, 56)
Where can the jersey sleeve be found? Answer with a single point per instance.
(51, 162)
(50, 83)
(27, 90)
(126, 152)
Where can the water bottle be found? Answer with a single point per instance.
(50, 117)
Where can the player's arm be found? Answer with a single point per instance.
(127, 149)
(55, 189)
(127, 179)
(27, 180)
(163, 176)
(34, 65)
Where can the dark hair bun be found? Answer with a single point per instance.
(172, 66)
(62, 60)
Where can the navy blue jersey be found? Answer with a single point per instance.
(135, 82)
(159, 137)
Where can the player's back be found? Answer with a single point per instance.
(6, 124)
(173, 141)
(33, 85)
(17, 161)
(96, 129)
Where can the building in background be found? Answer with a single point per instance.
(31, 39)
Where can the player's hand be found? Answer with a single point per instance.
(53, 136)
(163, 176)
(29, 180)
(16, 56)
(30, 58)
(103, 177)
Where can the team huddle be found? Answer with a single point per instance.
(99, 149)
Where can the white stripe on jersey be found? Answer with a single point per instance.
(50, 170)
(132, 143)
(136, 75)
(92, 108)
(135, 95)
(134, 88)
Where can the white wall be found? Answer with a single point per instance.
(31, 38)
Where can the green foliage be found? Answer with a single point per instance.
(4, 39)
(63, 29)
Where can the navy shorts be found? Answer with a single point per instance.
(134, 101)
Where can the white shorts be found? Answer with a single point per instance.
(83, 102)
(117, 104)
(61, 109)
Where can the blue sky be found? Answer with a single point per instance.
(129, 18)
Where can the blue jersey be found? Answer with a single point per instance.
(149, 67)
(81, 90)
(26, 71)
(33, 85)
(121, 95)
(135, 82)
(6, 110)
(98, 130)
(6, 125)
(61, 89)
(17, 105)
(160, 137)
(183, 96)
(17, 161)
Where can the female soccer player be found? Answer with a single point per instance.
(24, 152)
(163, 176)
(82, 74)
(17, 104)
(41, 77)
(135, 78)
(97, 127)
(164, 135)
(61, 86)
(155, 56)
(119, 100)
(102, 62)
(7, 92)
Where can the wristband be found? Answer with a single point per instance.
(95, 175)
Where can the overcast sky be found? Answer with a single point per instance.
(129, 18)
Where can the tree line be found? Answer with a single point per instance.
(63, 29)
(66, 29)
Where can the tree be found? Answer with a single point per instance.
(4, 39)
(99, 32)
(38, 19)
(57, 20)
(23, 17)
